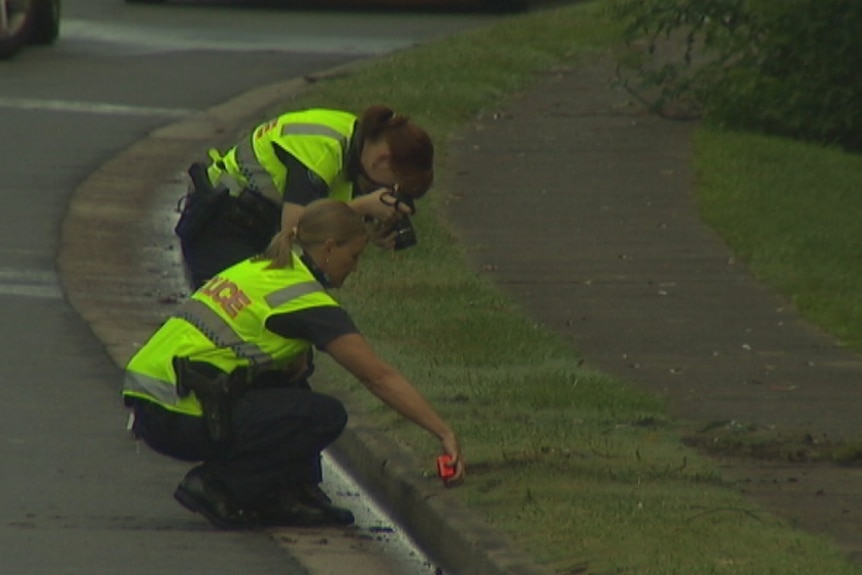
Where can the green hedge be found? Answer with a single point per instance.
(787, 68)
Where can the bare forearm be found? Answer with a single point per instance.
(394, 390)
(387, 383)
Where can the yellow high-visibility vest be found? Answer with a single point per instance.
(223, 324)
(319, 138)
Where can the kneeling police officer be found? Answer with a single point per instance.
(224, 381)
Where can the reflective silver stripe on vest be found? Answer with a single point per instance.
(161, 391)
(287, 294)
(218, 331)
(259, 180)
(319, 130)
(302, 129)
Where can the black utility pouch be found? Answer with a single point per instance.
(258, 217)
(200, 205)
(214, 389)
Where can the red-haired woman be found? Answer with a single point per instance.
(246, 194)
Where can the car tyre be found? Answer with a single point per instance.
(46, 21)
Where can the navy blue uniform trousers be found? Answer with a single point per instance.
(277, 434)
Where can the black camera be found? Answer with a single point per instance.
(405, 235)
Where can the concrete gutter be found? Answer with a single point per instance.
(121, 270)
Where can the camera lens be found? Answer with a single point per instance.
(405, 235)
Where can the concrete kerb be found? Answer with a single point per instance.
(120, 269)
(451, 536)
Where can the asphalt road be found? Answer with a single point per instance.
(78, 496)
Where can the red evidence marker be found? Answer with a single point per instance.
(443, 469)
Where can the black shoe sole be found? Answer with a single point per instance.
(318, 499)
(303, 522)
(341, 516)
(311, 517)
(194, 505)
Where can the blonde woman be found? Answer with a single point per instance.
(224, 381)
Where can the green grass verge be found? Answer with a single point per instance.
(584, 473)
(791, 212)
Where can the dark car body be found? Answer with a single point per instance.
(444, 5)
(25, 22)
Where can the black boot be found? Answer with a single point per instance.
(302, 506)
(200, 493)
(311, 494)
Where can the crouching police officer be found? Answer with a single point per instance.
(224, 382)
(245, 195)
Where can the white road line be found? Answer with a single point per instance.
(91, 108)
(161, 39)
(30, 283)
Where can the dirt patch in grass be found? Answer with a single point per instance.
(812, 483)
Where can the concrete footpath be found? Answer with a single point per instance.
(580, 205)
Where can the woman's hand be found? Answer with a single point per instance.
(453, 450)
(380, 205)
(381, 234)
